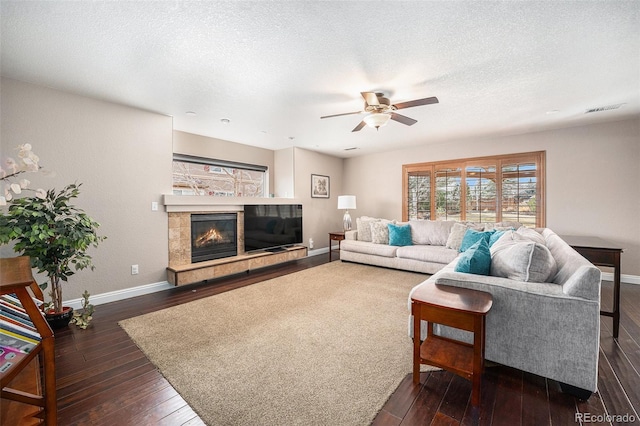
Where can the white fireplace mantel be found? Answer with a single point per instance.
(204, 203)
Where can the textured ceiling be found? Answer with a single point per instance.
(273, 68)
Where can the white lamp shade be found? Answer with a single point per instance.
(346, 202)
(377, 119)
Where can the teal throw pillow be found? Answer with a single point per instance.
(471, 236)
(399, 235)
(495, 237)
(476, 259)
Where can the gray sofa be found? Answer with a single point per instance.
(549, 328)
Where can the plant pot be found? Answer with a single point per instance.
(58, 320)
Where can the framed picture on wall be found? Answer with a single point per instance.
(319, 186)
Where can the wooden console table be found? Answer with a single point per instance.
(456, 307)
(601, 252)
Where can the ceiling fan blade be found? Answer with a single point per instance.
(402, 119)
(417, 102)
(344, 113)
(370, 98)
(359, 126)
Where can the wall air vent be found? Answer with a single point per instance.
(604, 108)
(351, 149)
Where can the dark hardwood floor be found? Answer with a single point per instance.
(104, 379)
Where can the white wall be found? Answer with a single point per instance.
(121, 155)
(592, 179)
(284, 176)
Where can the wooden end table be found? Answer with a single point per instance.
(601, 252)
(335, 236)
(456, 307)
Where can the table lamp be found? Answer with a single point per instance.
(346, 202)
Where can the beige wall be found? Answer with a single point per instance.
(284, 175)
(592, 179)
(320, 215)
(122, 157)
(203, 146)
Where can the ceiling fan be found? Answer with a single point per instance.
(380, 110)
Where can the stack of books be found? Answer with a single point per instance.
(18, 335)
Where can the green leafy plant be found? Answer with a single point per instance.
(55, 234)
(82, 319)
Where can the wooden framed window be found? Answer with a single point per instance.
(485, 189)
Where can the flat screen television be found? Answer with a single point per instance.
(272, 226)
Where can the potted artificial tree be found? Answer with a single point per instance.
(56, 236)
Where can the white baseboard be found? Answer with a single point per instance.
(114, 296)
(316, 252)
(625, 278)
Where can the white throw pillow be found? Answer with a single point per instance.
(454, 240)
(522, 261)
(380, 232)
(532, 235)
(364, 227)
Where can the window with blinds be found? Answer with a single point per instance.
(203, 176)
(486, 189)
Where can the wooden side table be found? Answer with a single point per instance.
(601, 252)
(456, 307)
(335, 236)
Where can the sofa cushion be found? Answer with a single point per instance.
(363, 224)
(476, 259)
(531, 234)
(399, 235)
(454, 240)
(380, 232)
(523, 261)
(431, 232)
(368, 248)
(432, 254)
(471, 236)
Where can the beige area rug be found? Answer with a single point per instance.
(323, 346)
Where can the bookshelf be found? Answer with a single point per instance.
(15, 278)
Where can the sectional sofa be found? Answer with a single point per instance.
(545, 317)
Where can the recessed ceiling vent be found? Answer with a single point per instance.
(604, 108)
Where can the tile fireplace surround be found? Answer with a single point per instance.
(180, 208)
(180, 237)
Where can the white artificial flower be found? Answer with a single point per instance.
(11, 164)
(25, 150)
(41, 193)
(16, 188)
(24, 183)
(8, 196)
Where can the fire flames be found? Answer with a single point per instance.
(212, 236)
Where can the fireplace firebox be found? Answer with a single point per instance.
(213, 236)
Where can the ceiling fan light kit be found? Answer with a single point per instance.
(377, 119)
(381, 111)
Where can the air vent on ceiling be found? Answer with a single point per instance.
(351, 149)
(604, 108)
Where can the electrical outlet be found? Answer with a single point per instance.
(134, 269)
(310, 243)
(154, 206)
